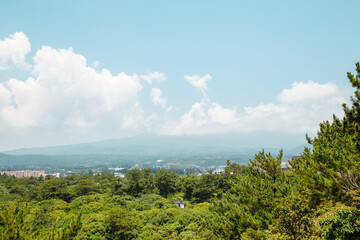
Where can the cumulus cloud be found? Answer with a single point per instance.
(308, 92)
(67, 96)
(204, 117)
(157, 99)
(150, 77)
(221, 115)
(198, 81)
(13, 51)
(298, 109)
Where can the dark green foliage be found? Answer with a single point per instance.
(134, 177)
(53, 188)
(166, 182)
(206, 188)
(85, 187)
(122, 224)
(249, 204)
(188, 184)
(148, 181)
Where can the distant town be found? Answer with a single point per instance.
(121, 171)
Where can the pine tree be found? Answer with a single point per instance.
(334, 161)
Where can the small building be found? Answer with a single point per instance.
(294, 158)
(285, 167)
(57, 175)
(118, 174)
(219, 169)
(24, 173)
(180, 204)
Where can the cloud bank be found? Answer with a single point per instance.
(297, 110)
(65, 100)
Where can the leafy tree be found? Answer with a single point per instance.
(248, 204)
(84, 186)
(122, 224)
(148, 181)
(235, 168)
(293, 215)
(339, 222)
(206, 188)
(53, 188)
(269, 166)
(134, 186)
(166, 182)
(189, 184)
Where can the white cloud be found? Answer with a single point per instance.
(69, 97)
(65, 100)
(13, 50)
(204, 117)
(221, 115)
(191, 121)
(307, 92)
(154, 76)
(198, 81)
(156, 97)
(299, 109)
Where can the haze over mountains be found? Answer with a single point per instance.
(177, 145)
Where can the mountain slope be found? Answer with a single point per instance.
(174, 145)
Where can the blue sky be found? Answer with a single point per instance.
(250, 66)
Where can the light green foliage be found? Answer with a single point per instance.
(293, 215)
(93, 227)
(12, 221)
(4, 193)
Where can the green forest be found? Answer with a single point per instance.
(318, 199)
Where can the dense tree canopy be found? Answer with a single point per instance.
(318, 199)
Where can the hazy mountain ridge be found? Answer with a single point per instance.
(175, 151)
(172, 145)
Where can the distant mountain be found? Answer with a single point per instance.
(298, 149)
(176, 145)
(145, 150)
